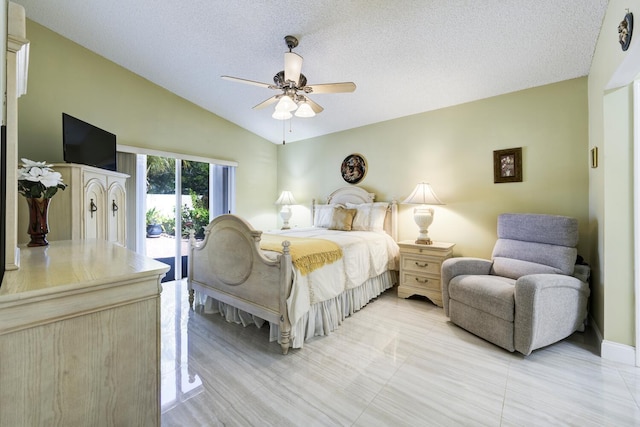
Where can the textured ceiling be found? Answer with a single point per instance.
(405, 56)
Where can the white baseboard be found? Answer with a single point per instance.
(617, 352)
(595, 328)
(610, 350)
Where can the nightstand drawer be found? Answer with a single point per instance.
(418, 281)
(421, 264)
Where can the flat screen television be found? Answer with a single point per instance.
(87, 144)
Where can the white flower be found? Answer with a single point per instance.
(47, 177)
(37, 179)
(30, 164)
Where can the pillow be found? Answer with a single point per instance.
(322, 215)
(342, 218)
(369, 216)
(378, 213)
(361, 220)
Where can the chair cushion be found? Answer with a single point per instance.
(490, 294)
(513, 258)
(515, 268)
(549, 229)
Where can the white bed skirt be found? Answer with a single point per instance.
(322, 318)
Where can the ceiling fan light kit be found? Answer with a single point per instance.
(293, 85)
(286, 104)
(281, 115)
(305, 110)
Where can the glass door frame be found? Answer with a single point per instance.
(138, 214)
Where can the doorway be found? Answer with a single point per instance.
(182, 197)
(173, 194)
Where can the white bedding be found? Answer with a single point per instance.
(365, 255)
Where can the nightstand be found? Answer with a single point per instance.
(420, 269)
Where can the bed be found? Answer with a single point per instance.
(303, 282)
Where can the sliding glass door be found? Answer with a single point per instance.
(182, 195)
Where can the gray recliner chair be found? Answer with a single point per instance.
(530, 294)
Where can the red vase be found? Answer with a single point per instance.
(38, 221)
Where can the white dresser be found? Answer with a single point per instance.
(80, 337)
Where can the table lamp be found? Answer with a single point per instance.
(286, 199)
(422, 196)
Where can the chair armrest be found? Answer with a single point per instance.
(548, 308)
(453, 267)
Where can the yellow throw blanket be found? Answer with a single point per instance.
(307, 254)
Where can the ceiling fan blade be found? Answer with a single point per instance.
(292, 67)
(250, 82)
(315, 107)
(268, 102)
(331, 88)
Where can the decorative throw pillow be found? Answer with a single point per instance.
(342, 218)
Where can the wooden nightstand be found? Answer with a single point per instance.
(420, 269)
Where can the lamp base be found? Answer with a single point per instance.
(423, 216)
(426, 241)
(285, 214)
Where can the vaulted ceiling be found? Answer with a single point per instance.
(405, 56)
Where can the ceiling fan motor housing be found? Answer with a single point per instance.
(278, 79)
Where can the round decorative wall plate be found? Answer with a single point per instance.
(625, 29)
(354, 168)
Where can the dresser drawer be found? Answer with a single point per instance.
(420, 264)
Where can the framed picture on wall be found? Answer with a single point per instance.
(353, 168)
(507, 165)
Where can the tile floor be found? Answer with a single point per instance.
(397, 362)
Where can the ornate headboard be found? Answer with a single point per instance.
(358, 195)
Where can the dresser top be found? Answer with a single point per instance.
(73, 265)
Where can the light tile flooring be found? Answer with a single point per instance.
(397, 362)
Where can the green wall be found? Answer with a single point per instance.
(65, 77)
(452, 148)
(611, 184)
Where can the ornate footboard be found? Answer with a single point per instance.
(229, 266)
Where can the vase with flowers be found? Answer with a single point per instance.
(38, 183)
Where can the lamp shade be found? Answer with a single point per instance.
(305, 110)
(286, 104)
(423, 195)
(281, 115)
(286, 198)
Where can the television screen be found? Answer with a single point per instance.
(87, 144)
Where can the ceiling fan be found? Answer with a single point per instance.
(293, 87)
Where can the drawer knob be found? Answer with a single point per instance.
(422, 264)
(422, 280)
